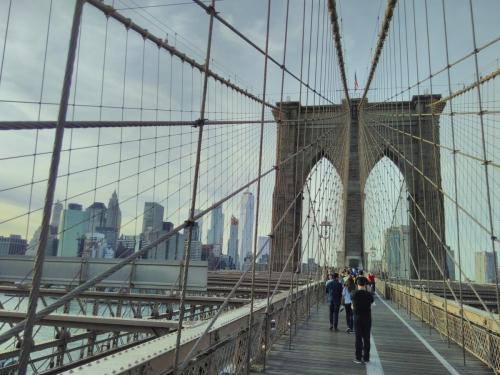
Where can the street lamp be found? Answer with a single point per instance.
(325, 234)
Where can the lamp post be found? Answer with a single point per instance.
(325, 234)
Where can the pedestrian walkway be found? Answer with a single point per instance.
(400, 345)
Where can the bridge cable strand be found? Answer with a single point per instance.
(427, 175)
(444, 166)
(27, 342)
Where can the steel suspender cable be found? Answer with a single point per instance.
(49, 198)
(187, 253)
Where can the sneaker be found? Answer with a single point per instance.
(331, 327)
(336, 329)
(366, 360)
(357, 361)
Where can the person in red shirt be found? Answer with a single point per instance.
(371, 281)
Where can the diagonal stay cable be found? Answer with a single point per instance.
(96, 279)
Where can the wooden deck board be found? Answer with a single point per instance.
(317, 350)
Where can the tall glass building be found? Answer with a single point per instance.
(72, 229)
(245, 230)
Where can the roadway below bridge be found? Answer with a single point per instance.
(400, 344)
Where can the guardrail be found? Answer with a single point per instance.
(224, 348)
(481, 333)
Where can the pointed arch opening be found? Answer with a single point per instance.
(387, 233)
(323, 213)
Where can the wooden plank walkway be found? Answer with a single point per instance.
(317, 350)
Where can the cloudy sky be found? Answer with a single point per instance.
(118, 75)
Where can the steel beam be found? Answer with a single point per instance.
(95, 323)
(157, 356)
(117, 296)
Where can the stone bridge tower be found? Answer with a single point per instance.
(342, 134)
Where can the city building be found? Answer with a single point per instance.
(195, 232)
(216, 231)
(96, 216)
(245, 228)
(485, 267)
(56, 214)
(176, 252)
(397, 251)
(12, 245)
(263, 243)
(200, 224)
(450, 264)
(195, 248)
(224, 263)
(264, 259)
(113, 221)
(164, 250)
(72, 228)
(126, 245)
(94, 245)
(52, 242)
(153, 217)
(232, 244)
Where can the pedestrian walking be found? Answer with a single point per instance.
(371, 281)
(349, 288)
(361, 304)
(334, 295)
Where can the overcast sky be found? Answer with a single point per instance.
(140, 82)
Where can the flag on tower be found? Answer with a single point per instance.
(356, 86)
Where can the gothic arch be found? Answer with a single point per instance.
(299, 126)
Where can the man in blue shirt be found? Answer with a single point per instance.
(334, 297)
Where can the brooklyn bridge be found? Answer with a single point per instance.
(247, 151)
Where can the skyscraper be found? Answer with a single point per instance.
(178, 254)
(216, 231)
(153, 217)
(96, 216)
(72, 228)
(195, 236)
(232, 244)
(200, 224)
(195, 243)
(113, 220)
(245, 228)
(56, 214)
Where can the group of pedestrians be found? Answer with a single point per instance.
(353, 292)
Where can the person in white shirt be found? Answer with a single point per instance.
(349, 287)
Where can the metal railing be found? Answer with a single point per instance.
(481, 332)
(225, 347)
